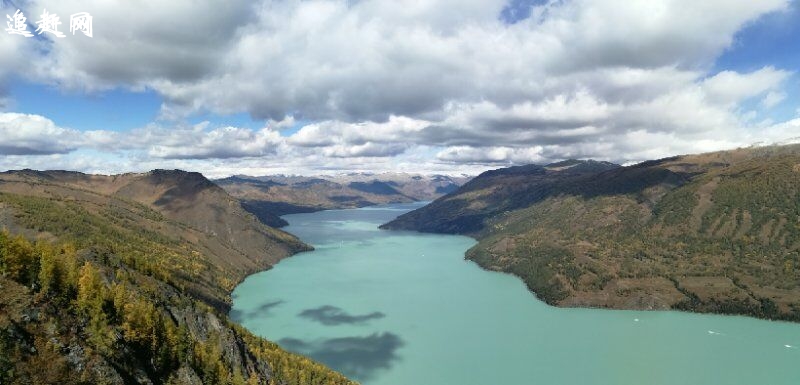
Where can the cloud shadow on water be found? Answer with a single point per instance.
(332, 316)
(360, 358)
(261, 311)
(265, 308)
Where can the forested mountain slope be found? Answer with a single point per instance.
(717, 232)
(126, 279)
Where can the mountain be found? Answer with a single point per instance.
(268, 197)
(716, 232)
(127, 279)
(494, 192)
(415, 186)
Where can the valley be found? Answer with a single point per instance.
(128, 278)
(382, 192)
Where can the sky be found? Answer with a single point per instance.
(422, 86)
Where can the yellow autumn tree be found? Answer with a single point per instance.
(51, 273)
(90, 287)
(91, 294)
(20, 261)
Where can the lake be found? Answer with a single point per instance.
(403, 308)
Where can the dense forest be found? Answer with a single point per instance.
(94, 293)
(717, 232)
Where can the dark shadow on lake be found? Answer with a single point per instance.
(265, 308)
(360, 358)
(261, 311)
(331, 316)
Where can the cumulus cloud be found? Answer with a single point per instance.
(23, 134)
(442, 81)
(395, 129)
(361, 61)
(137, 44)
(732, 87)
(15, 51)
(199, 143)
(11, 63)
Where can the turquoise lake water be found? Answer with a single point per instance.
(404, 308)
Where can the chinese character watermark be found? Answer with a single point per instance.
(16, 25)
(49, 22)
(81, 21)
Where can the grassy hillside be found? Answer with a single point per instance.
(715, 232)
(126, 279)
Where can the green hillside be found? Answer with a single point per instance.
(126, 279)
(716, 232)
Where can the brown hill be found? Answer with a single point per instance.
(129, 280)
(715, 232)
(271, 196)
(194, 210)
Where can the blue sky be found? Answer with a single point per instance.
(382, 100)
(114, 110)
(769, 41)
(517, 10)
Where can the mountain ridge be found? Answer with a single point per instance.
(127, 279)
(269, 197)
(713, 232)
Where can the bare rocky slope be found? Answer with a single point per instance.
(716, 232)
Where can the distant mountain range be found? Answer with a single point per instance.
(268, 197)
(716, 232)
(126, 279)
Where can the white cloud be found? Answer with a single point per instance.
(140, 43)
(220, 143)
(785, 132)
(316, 135)
(368, 149)
(733, 87)
(23, 134)
(772, 99)
(328, 133)
(491, 155)
(367, 60)
(433, 82)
